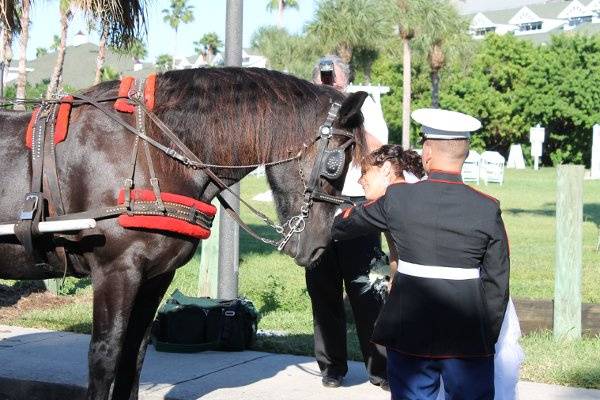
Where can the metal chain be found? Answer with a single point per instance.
(297, 223)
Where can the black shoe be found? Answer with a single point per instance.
(382, 383)
(332, 381)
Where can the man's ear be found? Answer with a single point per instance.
(350, 116)
(426, 153)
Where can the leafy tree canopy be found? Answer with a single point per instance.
(164, 62)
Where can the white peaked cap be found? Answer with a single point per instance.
(445, 124)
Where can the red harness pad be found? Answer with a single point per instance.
(61, 125)
(126, 83)
(165, 223)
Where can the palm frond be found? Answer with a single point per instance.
(9, 15)
(126, 19)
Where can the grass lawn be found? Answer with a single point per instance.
(277, 288)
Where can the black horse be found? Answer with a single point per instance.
(226, 116)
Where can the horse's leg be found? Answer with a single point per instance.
(138, 334)
(115, 289)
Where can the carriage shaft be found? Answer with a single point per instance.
(54, 226)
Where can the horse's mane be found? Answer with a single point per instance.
(237, 116)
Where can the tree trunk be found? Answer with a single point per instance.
(101, 54)
(435, 88)
(437, 60)
(5, 57)
(280, 15)
(60, 54)
(2, 64)
(406, 87)
(344, 50)
(24, 37)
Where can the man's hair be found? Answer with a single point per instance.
(453, 150)
(316, 73)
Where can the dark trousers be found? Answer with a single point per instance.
(345, 263)
(418, 378)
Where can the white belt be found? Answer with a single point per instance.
(436, 272)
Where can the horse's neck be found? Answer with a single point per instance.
(209, 188)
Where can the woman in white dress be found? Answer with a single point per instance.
(390, 164)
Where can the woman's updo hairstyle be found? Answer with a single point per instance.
(401, 160)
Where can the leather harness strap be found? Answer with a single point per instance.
(33, 208)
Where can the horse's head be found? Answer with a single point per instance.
(301, 188)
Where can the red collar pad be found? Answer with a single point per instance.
(166, 223)
(61, 125)
(125, 87)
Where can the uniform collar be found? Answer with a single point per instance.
(451, 176)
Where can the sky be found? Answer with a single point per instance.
(209, 16)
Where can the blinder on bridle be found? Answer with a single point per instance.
(335, 160)
(329, 163)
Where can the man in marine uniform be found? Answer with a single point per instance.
(449, 295)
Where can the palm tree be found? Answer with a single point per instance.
(178, 12)
(210, 43)
(164, 62)
(342, 25)
(55, 42)
(138, 51)
(108, 73)
(280, 6)
(23, 39)
(294, 54)
(125, 18)
(40, 51)
(65, 16)
(444, 33)
(363, 58)
(101, 53)
(407, 15)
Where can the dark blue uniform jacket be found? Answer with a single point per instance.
(439, 222)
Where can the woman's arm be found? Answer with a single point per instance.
(393, 258)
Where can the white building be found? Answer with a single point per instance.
(539, 21)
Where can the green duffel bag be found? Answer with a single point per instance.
(190, 324)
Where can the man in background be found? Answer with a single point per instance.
(347, 264)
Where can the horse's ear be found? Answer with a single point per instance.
(350, 116)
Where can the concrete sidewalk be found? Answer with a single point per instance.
(38, 364)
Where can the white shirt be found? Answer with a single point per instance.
(375, 126)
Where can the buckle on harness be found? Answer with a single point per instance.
(325, 131)
(29, 206)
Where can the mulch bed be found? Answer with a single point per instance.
(25, 296)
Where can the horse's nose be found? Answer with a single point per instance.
(310, 259)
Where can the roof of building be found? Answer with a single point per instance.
(549, 10)
(79, 67)
(584, 29)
